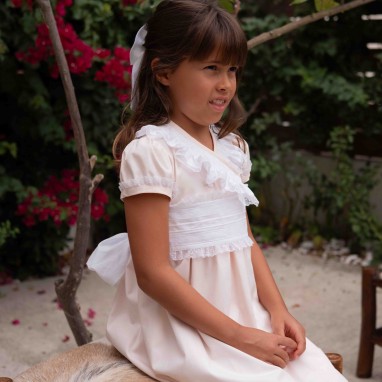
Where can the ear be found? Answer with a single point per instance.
(161, 75)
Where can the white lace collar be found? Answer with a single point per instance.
(218, 169)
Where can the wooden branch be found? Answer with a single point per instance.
(237, 7)
(255, 106)
(278, 32)
(66, 289)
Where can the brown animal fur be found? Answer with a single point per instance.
(98, 362)
(95, 362)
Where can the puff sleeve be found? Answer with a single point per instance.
(147, 166)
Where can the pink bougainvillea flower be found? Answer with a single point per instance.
(117, 73)
(5, 279)
(102, 53)
(91, 313)
(17, 3)
(58, 200)
(78, 54)
(16, 322)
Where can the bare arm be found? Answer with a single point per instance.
(283, 323)
(268, 292)
(147, 222)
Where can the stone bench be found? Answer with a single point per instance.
(98, 361)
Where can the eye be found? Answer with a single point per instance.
(211, 67)
(233, 69)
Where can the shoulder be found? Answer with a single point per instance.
(147, 166)
(236, 149)
(149, 140)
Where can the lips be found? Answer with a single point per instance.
(219, 104)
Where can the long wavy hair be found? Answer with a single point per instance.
(180, 30)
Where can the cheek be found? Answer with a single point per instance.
(193, 92)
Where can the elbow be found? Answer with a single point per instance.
(149, 281)
(145, 282)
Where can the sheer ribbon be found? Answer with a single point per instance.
(136, 55)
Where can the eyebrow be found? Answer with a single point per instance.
(218, 62)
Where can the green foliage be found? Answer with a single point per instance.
(313, 92)
(301, 87)
(322, 5)
(34, 142)
(343, 194)
(7, 231)
(229, 5)
(266, 235)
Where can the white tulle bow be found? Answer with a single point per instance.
(136, 55)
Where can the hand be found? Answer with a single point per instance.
(268, 347)
(284, 324)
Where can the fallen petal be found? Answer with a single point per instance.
(91, 313)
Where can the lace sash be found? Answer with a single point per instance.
(196, 230)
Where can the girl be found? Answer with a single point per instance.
(195, 300)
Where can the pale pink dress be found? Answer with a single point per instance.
(209, 248)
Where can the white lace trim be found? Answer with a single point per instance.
(111, 256)
(182, 254)
(236, 155)
(197, 160)
(201, 197)
(146, 181)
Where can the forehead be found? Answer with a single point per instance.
(214, 58)
(219, 55)
(223, 49)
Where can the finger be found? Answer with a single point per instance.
(301, 346)
(280, 360)
(288, 342)
(301, 343)
(279, 330)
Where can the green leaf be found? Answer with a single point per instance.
(322, 5)
(8, 147)
(228, 5)
(297, 2)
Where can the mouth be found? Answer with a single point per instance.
(219, 104)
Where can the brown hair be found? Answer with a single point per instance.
(180, 30)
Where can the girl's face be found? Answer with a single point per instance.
(200, 91)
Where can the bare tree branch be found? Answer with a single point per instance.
(237, 7)
(278, 32)
(66, 289)
(255, 105)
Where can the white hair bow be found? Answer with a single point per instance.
(136, 55)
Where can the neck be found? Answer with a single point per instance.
(200, 133)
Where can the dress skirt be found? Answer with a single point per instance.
(169, 350)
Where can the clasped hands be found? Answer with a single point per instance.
(285, 344)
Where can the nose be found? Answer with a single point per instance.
(226, 81)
